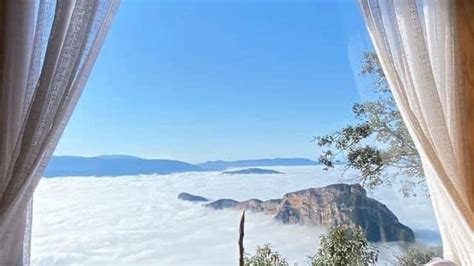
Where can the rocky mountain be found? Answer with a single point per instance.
(249, 171)
(223, 165)
(331, 205)
(113, 165)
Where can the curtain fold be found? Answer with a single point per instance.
(419, 46)
(47, 52)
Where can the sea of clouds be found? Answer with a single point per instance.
(136, 220)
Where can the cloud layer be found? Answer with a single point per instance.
(134, 220)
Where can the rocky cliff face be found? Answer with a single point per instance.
(331, 205)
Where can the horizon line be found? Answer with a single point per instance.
(207, 161)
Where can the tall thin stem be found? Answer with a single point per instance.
(241, 239)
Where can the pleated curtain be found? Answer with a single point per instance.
(426, 51)
(47, 50)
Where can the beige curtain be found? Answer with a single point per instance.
(47, 50)
(420, 46)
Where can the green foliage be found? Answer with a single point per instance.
(343, 245)
(415, 256)
(377, 141)
(265, 257)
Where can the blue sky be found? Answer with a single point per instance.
(206, 80)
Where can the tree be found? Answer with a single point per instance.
(378, 145)
(343, 245)
(265, 256)
(416, 256)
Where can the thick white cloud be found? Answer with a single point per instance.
(136, 220)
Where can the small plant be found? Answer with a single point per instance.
(265, 256)
(344, 245)
(415, 256)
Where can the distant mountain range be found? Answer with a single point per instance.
(115, 165)
(223, 165)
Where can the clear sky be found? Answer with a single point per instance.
(207, 80)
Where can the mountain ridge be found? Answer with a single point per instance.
(220, 165)
(114, 166)
(119, 164)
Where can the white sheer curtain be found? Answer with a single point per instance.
(417, 43)
(47, 50)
